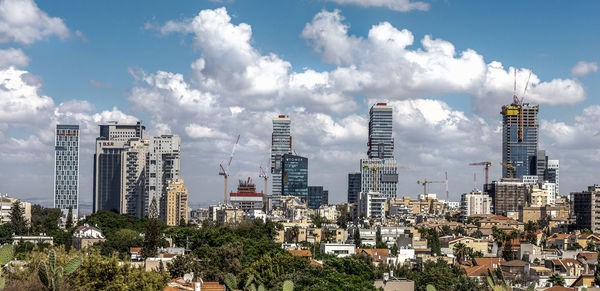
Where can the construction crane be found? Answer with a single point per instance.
(375, 167)
(263, 174)
(487, 166)
(425, 182)
(447, 195)
(225, 171)
(519, 102)
(511, 169)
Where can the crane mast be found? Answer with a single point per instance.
(224, 171)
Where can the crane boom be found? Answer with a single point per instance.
(225, 171)
(425, 182)
(487, 166)
(511, 169)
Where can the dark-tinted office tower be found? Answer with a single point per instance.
(353, 187)
(66, 169)
(381, 142)
(552, 174)
(540, 165)
(295, 176)
(315, 196)
(584, 205)
(519, 138)
(281, 144)
(325, 197)
(119, 167)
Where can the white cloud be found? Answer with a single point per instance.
(397, 5)
(583, 68)
(199, 131)
(394, 70)
(23, 22)
(13, 57)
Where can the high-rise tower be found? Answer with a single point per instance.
(66, 169)
(281, 144)
(381, 142)
(519, 138)
(162, 168)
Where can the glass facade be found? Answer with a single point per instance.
(281, 144)
(381, 143)
(295, 176)
(516, 150)
(66, 168)
(315, 197)
(353, 187)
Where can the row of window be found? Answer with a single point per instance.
(62, 203)
(66, 158)
(60, 175)
(67, 163)
(63, 183)
(68, 168)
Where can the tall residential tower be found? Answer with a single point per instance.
(66, 169)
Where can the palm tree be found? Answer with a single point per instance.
(295, 231)
(460, 251)
(556, 280)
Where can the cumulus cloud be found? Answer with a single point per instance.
(397, 5)
(390, 66)
(22, 21)
(583, 68)
(13, 57)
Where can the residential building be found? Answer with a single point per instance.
(316, 197)
(329, 212)
(381, 142)
(199, 215)
(339, 250)
(295, 177)
(162, 167)
(85, 236)
(372, 204)
(6, 207)
(176, 203)
(354, 187)
(508, 195)
(584, 208)
(475, 202)
(281, 144)
(66, 169)
(519, 138)
(552, 174)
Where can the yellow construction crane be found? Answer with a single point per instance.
(425, 182)
(375, 167)
(511, 169)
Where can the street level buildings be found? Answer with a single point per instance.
(519, 138)
(66, 169)
(176, 206)
(281, 144)
(475, 203)
(584, 208)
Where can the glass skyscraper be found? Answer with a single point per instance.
(315, 196)
(295, 176)
(519, 149)
(381, 142)
(353, 187)
(281, 144)
(66, 169)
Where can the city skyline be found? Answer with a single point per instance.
(446, 91)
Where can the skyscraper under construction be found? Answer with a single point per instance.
(519, 138)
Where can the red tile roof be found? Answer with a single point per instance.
(301, 253)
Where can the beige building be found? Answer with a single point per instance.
(176, 209)
(5, 208)
(85, 236)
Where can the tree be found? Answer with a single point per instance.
(294, 232)
(318, 220)
(531, 229)
(556, 280)
(69, 222)
(507, 252)
(460, 252)
(181, 265)
(343, 218)
(379, 240)
(477, 234)
(152, 235)
(590, 246)
(597, 277)
(357, 239)
(17, 219)
(459, 230)
(433, 242)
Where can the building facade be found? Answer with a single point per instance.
(354, 187)
(519, 146)
(316, 197)
(177, 201)
(381, 142)
(295, 176)
(372, 205)
(162, 167)
(584, 208)
(552, 174)
(508, 195)
(66, 169)
(281, 144)
(379, 175)
(474, 203)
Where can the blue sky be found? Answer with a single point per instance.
(110, 57)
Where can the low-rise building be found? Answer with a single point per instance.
(6, 206)
(85, 236)
(337, 249)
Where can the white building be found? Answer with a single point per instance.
(330, 212)
(553, 174)
(162, 167)
(372, 204)
(66, 169)
(475, 203)
(338, 250)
